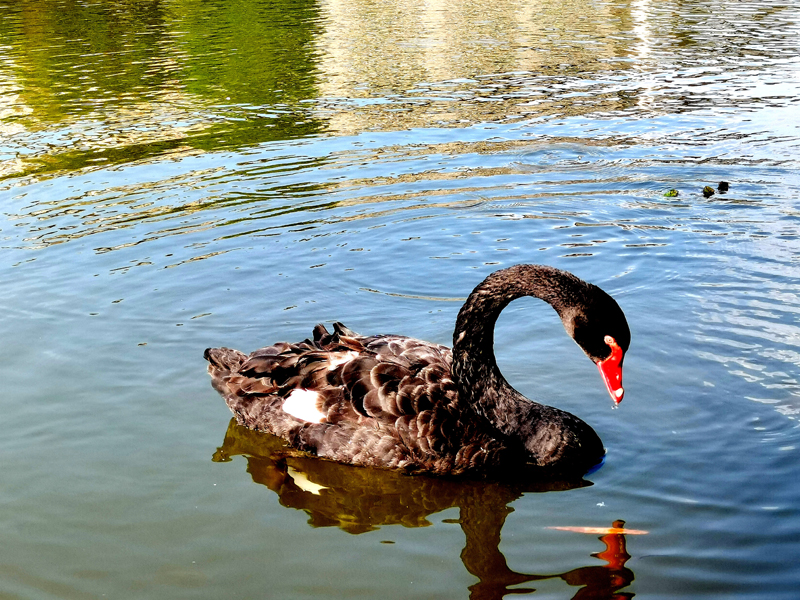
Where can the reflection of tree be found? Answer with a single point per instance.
(156, 76)
(359, 500)
(72, 57)
(254, 53)
(92, 54)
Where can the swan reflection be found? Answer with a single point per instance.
(358, 500)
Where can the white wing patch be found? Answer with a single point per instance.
(302, 404)
(341, 359)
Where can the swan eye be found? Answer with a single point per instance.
(616, 350)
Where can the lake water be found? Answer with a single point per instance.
(177, 174)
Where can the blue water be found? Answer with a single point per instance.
(175, 176)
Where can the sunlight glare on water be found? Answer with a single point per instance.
(176, 175)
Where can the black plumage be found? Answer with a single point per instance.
(396, 402)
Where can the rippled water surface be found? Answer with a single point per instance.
(177, 174)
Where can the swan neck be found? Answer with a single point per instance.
(474, 365)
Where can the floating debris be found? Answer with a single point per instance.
(722, 187)
(602, 530)
(708, 191)
(671, 193)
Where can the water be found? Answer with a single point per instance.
(176, 175)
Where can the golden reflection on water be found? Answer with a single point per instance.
(385, 47)
(357, 500)
(457, 64)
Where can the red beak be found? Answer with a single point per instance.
(611, 370)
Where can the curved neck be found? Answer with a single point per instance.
(475, 369)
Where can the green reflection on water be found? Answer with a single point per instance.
(70, 57)
(252, 53)
(133, 80)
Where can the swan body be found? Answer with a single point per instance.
(395, 402)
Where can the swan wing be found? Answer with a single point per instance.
(385, 400)
(339, 377)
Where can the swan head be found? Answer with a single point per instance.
(599, 327)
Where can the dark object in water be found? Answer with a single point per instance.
(671, 193)
(722, 187)
(395, 402)
(708, 191)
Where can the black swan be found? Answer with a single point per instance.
(395, 402)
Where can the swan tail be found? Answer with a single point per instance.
(224, 359)
(221, 363)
